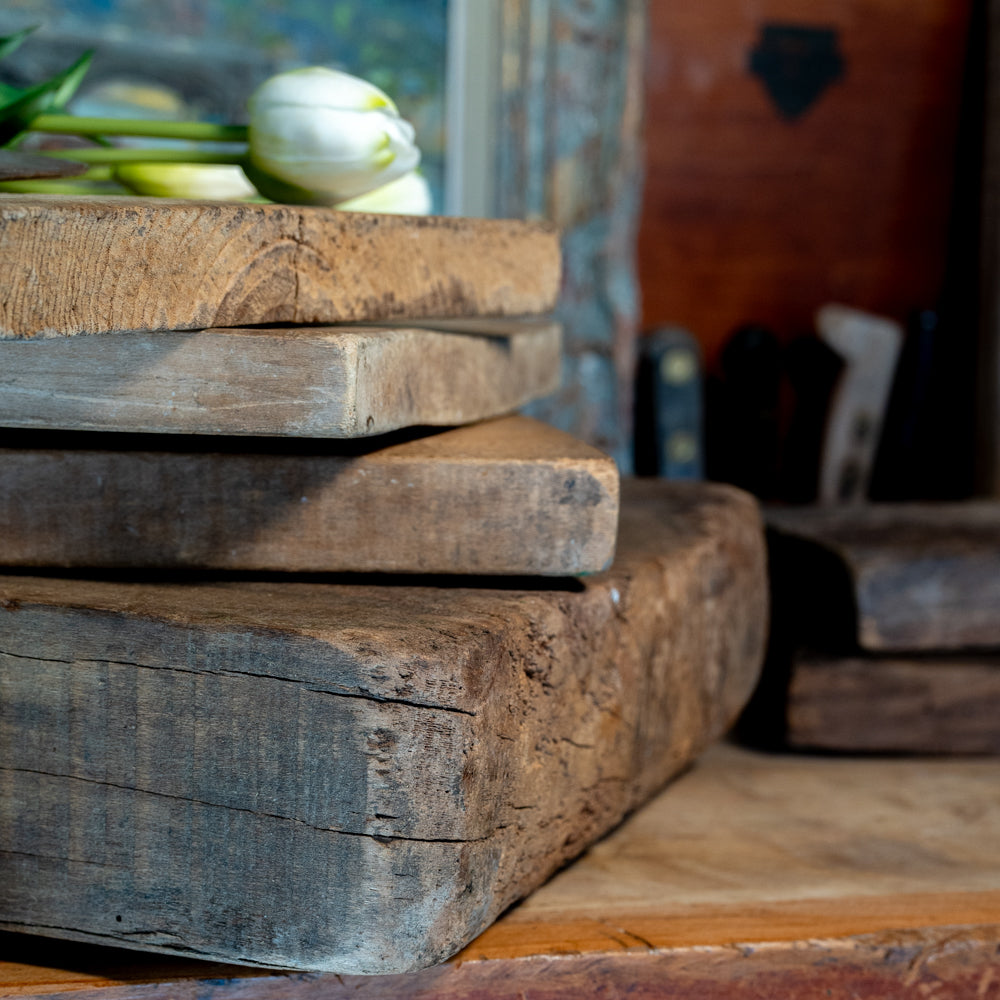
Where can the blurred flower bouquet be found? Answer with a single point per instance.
(316, 136)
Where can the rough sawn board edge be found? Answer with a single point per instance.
(96, 265)
(322, 382)
(510, 496)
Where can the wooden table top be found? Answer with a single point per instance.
(751, 875)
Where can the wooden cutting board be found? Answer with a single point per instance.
(508, 496)
(356, 778)
(341, 382)
(92, 265)
(899, 577)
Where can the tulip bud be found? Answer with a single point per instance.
(319, 136)
(407, 195)
(199, 181)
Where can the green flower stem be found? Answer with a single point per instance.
(113, 155)
(52, 186)
(194, 131)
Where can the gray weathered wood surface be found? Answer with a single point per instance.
(751, 876)
(921, 576)
(341, 382)
(506, 496)
(930, 704)
(356, 778)
(92, 265)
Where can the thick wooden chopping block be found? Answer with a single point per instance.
(508, 496)
(900, 576)
(837, 878)
(356, 778)
(341, 382)
(91, 265)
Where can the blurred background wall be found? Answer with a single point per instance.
(802, 152)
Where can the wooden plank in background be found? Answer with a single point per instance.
(753, 875)
(91, 265)
(340, 382)
(508, 496)
(19, 166)
(921, 576)
(933, 704)
(356, 778)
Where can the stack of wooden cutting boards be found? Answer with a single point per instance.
(289, 676)
(886, 628)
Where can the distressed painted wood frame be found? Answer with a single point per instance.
(569, 139)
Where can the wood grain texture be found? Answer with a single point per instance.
(340, 382)
(508, 496)
(751, 217)
(753, 875)
(91, 265)
(356, 778)
(935, 704)
(920, 576)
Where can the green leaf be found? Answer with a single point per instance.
(8, 43)
(69, 81)
(9, 94)
(51, 95)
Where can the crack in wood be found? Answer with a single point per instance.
(579, 746)
(37, 659)
(369, 696)
(645, 942)
(360, 693)
(377, 837)
(35, 856)
(74, 931)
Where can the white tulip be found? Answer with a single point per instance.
(407, 195)
(319, 136)
(199, 181)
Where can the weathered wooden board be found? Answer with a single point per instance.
(507, 496)
(921, 576)
(90, 265)
(751, 876)
(356, 778)
(341, 382)
(933, 704)
(17, 166)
